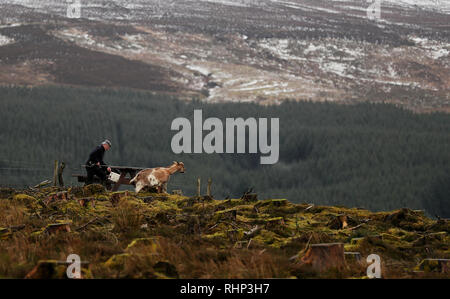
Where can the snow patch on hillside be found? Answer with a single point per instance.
(239, 3)
(434, 49)
(440, 5)
(4, 40)
(202, 70)
(443, 5)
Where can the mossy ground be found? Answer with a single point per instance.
(147, 235)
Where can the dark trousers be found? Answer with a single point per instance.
(95, 170)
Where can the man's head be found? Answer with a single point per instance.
(106, 144)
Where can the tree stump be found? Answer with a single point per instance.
(340, 222)
(250, 197)
(322, 257)
(207, 198)
(57, 227)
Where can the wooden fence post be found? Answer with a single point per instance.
(208, 190)
(60, 174)
(55, 173)
(198, 187)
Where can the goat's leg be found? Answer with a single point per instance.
(139, 187)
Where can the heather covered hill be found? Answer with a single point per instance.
(147, 235)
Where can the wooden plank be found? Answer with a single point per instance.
(123, 170)
(122, 167)
(80, 178)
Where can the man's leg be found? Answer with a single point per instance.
(100, 173)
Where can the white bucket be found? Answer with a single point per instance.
(114, 177)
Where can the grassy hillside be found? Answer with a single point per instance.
(146, 235)
(373, 156)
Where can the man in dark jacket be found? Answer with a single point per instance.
(95, 164)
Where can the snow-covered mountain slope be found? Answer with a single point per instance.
(238, 50)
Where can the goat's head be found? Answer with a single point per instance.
(180, 166)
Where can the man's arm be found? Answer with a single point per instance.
(103, 164)
(96, 156)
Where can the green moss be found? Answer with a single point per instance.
(101, 197)
(430, 239)
(390, 237)
(230, 203)
(48, 190)
(76, 191)
(219, 238)
(269, 238)
(440, 225)
(168, 207)
(117, 261)
(93, 189)
(131, 225)
(228, 214)
(235, 235)
(408, 219)
(272, 203)
(24, 198)
(356, 241)
(150, 244)
(86, 273)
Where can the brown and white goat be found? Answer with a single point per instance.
(156, 177)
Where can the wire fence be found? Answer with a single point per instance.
(23, 169)
(43, 171)
(30, 173)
